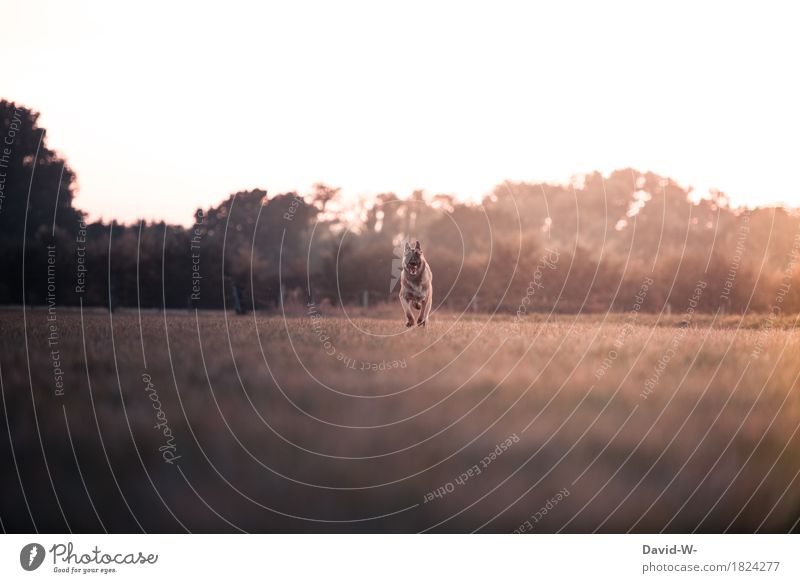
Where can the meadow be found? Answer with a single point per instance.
(322, 420)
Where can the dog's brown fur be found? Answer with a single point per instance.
(416, 285)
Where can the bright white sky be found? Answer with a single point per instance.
(161, 108)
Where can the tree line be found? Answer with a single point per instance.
(526, 247)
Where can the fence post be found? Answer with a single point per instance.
(112, 300)
(237, 299)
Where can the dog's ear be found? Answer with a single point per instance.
(417, 247)
(407, 246)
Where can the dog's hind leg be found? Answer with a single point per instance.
(407, 310)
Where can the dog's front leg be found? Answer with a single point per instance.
(423, 313)
(407, 310)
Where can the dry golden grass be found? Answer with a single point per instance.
(293, 424)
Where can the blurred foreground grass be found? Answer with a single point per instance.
(342, 422)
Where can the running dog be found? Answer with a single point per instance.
(416, 285)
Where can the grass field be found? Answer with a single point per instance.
(342, 422)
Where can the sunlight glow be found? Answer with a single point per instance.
(164, 107)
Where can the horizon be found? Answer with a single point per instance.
(451, 99)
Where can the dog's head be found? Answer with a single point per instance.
(413, 259)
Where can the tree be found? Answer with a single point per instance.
(27, 163)
(36, 192)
